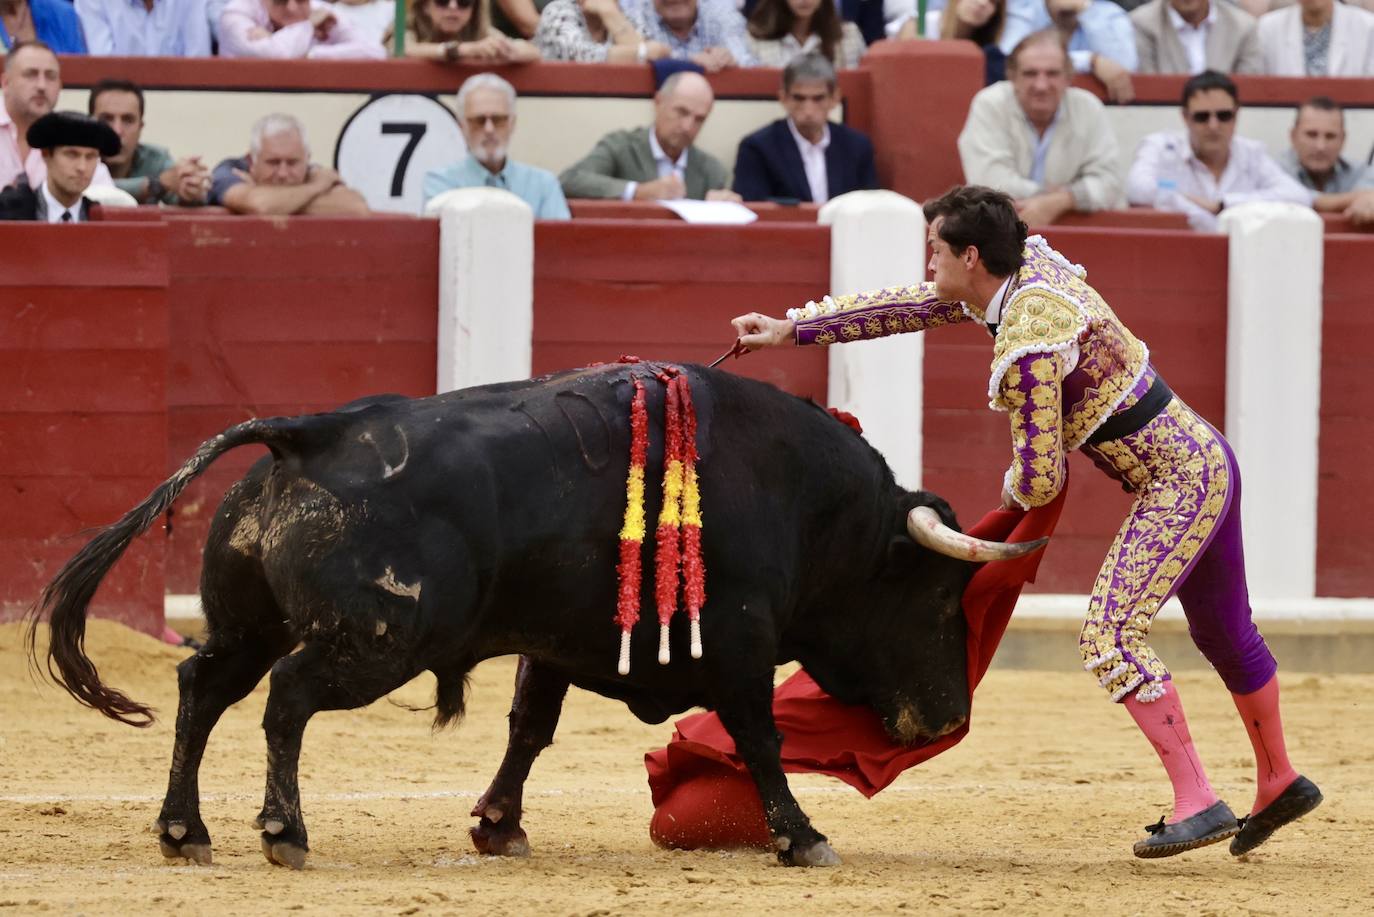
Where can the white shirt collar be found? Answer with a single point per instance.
(1179, 23)
(660, 156)
(994, 312)
(55, 207)
(823, 144)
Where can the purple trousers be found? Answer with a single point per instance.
(1183, 535)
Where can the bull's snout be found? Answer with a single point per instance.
(911, 726)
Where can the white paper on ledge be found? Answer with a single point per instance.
(722, 213)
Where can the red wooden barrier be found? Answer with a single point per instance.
(666, 290)
(1345, 482)
(83, 349)
(1170, 289)
(273, 317)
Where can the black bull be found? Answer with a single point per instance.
(396, 536)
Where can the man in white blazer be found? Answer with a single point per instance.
(1317, 38)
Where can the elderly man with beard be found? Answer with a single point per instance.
(71, 146)
(30, 83)
(277, 178)
(486, 107)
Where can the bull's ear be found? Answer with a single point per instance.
(902, 555)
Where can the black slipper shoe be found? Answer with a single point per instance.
(1215, 823)
(1301, 797)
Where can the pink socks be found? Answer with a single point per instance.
(1164, 725)
(1260, 712)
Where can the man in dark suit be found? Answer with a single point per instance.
(805, 156)
(72, 145)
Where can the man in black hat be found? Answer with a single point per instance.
(72, 145)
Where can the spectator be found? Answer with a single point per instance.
(145, 28)
(52, 22)
(280, 29)
(804, 157)
(1317, 38)
(277, 178)
(1208, 168)
(71, 146)
(1190, 36)
(373, 20)
(487, 106)
(780, 31)
(657, 162)
(1315, 159)
(145, 171)
(592, 32)
(981, 22)
(460, 30)
(709, 33)
(1036, 138)
(30, 83)
(868, 15)
(1098, 33)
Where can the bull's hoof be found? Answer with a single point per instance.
(499, 840)
(284, 853)
(180, 841)
(817, 854)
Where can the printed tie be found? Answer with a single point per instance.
(66, 216)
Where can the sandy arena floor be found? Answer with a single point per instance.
(1033, 814)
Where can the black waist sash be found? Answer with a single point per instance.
(1126, 422)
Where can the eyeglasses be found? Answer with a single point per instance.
(461, 4)
(477, 122)
(1225, 116)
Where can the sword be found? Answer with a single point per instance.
(738, 350)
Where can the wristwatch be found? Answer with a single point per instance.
(450, 50)
(155, 190)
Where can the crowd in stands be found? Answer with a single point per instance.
(1029, 132)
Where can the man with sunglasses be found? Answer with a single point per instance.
(486, 114)
(1207, 168)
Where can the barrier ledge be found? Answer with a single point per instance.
(1255, 91)
(546, 78)
(585, 209)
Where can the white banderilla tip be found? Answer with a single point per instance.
(624, 667)
(696, 638)
(664, 654)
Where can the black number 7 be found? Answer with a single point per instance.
(416, 130)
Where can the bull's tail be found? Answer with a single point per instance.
(66, 599)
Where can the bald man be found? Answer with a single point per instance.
(658, 162)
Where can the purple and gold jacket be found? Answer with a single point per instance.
(1062, 362)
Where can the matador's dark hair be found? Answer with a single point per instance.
(984, 218)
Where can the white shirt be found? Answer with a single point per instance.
(1165, 169)
(665, 166)
(813, 161)
(56, 209)
(1194, 37)
(1041, 147)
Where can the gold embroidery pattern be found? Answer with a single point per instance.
(1179, 469)
(1031, 391)
(875, 314)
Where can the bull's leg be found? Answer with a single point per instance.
(304, 683)
(534, 713)
(217, 676)
(745, 708)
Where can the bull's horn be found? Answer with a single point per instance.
(926, 529)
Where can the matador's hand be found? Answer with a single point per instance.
(757, 330)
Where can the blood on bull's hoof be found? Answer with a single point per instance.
(500, 533)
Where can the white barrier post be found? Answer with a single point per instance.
(1273, 389)
(486, 287)
(877, 239)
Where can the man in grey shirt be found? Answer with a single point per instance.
(1315, 159)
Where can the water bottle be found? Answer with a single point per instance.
(1166, 195)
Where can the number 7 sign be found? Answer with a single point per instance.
(390, 143)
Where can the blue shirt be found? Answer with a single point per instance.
(535, 187)
(1103, 28)
(56, 25)
(718, 25)
(174, 28)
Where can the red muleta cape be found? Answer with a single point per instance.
(702, 792)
